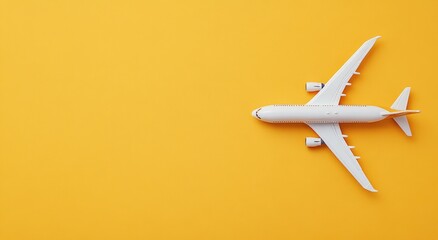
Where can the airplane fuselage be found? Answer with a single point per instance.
(285, 113)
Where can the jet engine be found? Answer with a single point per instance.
(314, 86)
(313, 142)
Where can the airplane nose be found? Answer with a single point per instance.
(254, 113)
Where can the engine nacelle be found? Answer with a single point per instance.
(313, 142)
(314, 86)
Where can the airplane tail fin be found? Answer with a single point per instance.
(399, 117)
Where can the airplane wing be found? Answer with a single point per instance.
(332, 91)
(332, 136)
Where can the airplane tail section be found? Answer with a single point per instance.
(404, 125)
(402, 101)
(399, 117)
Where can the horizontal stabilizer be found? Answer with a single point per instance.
(399, 117)
(402, 100)
(402, 121)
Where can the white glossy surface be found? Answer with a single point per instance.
(333, 138)
(314, 86)
(319, 114)
(323, 114)
(313, 142)
(332, 91)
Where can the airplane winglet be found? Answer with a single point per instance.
(369, 187)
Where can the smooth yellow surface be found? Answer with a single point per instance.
(131, 120)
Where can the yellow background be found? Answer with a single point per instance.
(131, 120)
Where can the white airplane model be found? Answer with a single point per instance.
(323, 114)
